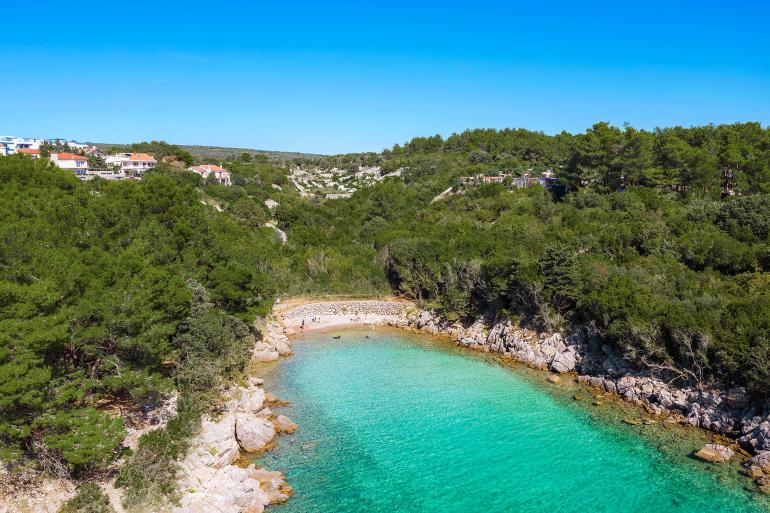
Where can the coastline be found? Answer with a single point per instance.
(580, 356)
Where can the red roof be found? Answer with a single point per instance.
(140, 156)
(211, 168)
(29, 151)
(68, 156)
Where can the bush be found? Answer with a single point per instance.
(89, 499)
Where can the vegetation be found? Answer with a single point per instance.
(661, 242)
(113, 294)
(89, 499)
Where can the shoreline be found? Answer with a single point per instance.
(580, 356)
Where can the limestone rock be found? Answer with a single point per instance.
(253, 433)
(758, 439)
(272, 483)
(553, 379)
(564, 362)
(217, 438)
(284, 424)
(715, 453)
(762, 462)
(252, 399)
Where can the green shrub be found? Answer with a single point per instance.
(89, 499)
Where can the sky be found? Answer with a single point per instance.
(337, 77)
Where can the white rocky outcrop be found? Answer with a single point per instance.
(209, 480)
(273, 345)
(253, 433)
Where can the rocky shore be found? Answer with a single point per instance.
(727, 412)
(213, 477)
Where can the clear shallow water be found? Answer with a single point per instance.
(399, 423)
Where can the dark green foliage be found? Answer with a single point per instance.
(97, 282)
(642, 246)
(746, 218)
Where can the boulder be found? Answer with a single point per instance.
(283, 348)
(564, 362)
(253, 433)
(218, 440)
(758, 439)
(284, 424)
(265, 355)
(715, 453)
(553, 378)
(252, 399)
(272, 483)
(761, 461)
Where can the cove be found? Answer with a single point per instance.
(391, 421)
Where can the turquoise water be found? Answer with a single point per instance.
(397, 422)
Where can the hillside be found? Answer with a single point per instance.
(222, 153)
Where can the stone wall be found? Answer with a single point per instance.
(352, 308)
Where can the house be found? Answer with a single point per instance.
(7, 146)
(93, 151)
(221, 174)
(132, 164)
(71, 162)
(35, 154)
(494, 179)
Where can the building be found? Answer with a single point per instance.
(35, 154)
(93, 151)
(7, 146)
(10, 145)
(221, 174)
(71, 162)
(132, 164)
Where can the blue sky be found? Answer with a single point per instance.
(356, 76)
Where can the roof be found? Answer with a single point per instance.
(140, 156)
(208, 168)
(29, 151)
(68, 156)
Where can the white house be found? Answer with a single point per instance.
(133, 164)
(70, 161)
(221, 174)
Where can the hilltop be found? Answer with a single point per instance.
(223, 152)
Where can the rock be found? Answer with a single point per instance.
(632, 422)
(253, 433)
(218, 440)
(761, 461)
(265, 355)
(715, 453)
(564, 362)
(283, 348)
(229, 490)
(272, 483)
(252, 399)
(284, 424)
(758, 439)
(552, 378)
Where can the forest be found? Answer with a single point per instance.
(113, 294)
